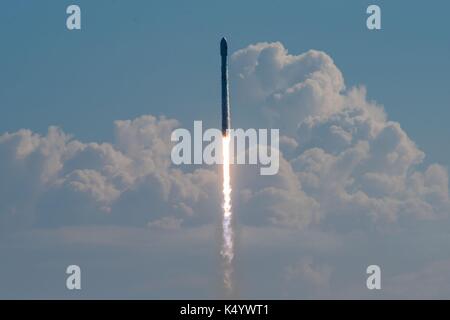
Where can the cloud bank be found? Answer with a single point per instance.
(56, 180)
(344, 162)
(345, 170)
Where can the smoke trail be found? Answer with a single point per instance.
(227, 240)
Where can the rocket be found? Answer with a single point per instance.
(225, 103)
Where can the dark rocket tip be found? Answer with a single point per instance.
(223, 47)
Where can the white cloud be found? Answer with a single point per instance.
(345, 171)
(342, 161)
(347, 159)
(56, 180)
(266, 76)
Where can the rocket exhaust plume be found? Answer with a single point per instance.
(227, 230)
(227, 241)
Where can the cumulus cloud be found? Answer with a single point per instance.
(288, 88)
(57, 180)
(345, 170)
(342, 163)
(346, 162)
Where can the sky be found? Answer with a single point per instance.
(363, 178)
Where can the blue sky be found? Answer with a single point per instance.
(356, 186)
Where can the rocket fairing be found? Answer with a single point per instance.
(226, 122)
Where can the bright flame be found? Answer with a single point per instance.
(227, 245)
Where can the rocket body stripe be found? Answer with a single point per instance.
(226, 123)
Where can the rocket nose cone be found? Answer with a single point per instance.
(223, 47)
